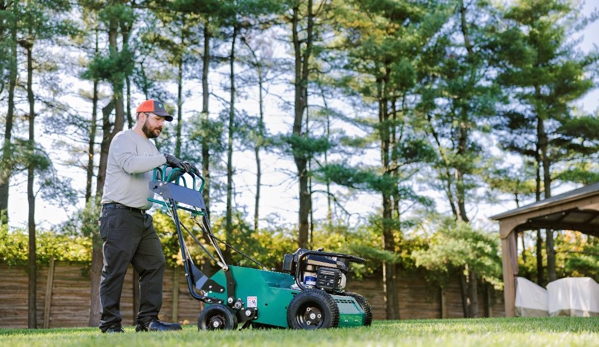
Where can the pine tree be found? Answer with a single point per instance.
(545, 75)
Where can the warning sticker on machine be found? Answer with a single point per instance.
(252, 301)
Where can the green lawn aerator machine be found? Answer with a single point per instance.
(307, 294)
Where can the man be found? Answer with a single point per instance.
(125, 227)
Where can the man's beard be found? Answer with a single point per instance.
(151, 133)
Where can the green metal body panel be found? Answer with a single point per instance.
(350, 312)
(270, 292)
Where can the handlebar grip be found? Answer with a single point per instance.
(159, 174)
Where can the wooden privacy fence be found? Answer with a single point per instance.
(63, 297)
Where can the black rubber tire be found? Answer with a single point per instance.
(312, 309)
(364, 305)
(217, 317)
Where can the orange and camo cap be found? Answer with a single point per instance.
(155, 107)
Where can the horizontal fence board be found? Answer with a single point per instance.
(71, 296)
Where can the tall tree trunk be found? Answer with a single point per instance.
(459, 176)
(91, 144)
(389, 270)
(129, 116)
(539, 250)
(207, 267)
(543, 141)
(258, 187)
(259, 137)
(32, 268)
(523, 247)
(6, 161)
(487, 308)
(178, 126)
(462, 151)
(310, 207)
(104, 145)
(551, 274)
(539, 243)
(145, 83)
(473, 293)
(394, 159)
(392, 168)
(549, 245)
(205, 113)
(126, 83)
(229, 207)
(89, 174)
(117, 84)
(464, 293)
(97, 257)
(326, 162)
(301, 74)
(109, 130)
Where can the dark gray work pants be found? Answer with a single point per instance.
(129, 237)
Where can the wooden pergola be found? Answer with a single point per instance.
(574, 210)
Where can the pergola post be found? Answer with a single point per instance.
(510, 267)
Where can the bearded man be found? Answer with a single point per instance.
(126, 229)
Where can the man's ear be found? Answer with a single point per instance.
(141, 117)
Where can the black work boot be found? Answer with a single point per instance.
(115, 328)
(156, 325)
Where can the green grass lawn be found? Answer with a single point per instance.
(555, 331)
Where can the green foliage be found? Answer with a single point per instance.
(543, 74)
(516, 181)
(307, 146)
(7, 21)
(367, 240)
(112, 67)
(272, 244)
(23, 156)
(167, 232)
(578, 135)
(369, 179)
(583, 172)
(14, 247)
(46, 20)
(455, 245)
(375, 253)
(115, 64)
(203, 128)
(577, 255)
(414, 150)
(346, 176)
(265, 246)
(117, 13)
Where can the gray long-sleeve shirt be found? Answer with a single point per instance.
(131, 158)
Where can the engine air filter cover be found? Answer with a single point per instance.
(328, 279)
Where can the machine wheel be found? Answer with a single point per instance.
(364, 305)
(217, 317)
(313, 309)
